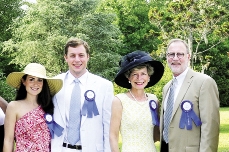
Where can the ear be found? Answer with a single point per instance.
(189, 56)
(23, 81)
(65, 57)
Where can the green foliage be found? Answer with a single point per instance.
(133, 23)
(219, 70)
(6, 92)
(49, 24)
(193, 21)
(10, 10)
(100, 60)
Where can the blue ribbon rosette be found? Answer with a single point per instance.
(89, 107)
(54, 128)
(153, 109)
(188, 115)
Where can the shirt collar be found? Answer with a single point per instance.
(82, 79)
(180, 78)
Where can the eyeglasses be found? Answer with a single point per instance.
(172, 55)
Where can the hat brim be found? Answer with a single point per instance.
(122, 81)
(14, 80)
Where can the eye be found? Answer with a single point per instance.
(171, 55)
(134, 74)
(179, 55)
(81, 55)
(72, 55)
(144, 73)
(31, 79)
(40, 80)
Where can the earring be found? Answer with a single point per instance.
(129, 81)
(149, 80)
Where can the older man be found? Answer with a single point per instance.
(190, 108)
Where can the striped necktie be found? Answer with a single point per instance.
(169, 110)
(74, 115)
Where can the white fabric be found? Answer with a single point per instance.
(94, 132)
(180, 80)
(2, 117)
(69, 84)
(64, 149)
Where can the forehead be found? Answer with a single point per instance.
(177, 47)
(77, 50)
(143, 69)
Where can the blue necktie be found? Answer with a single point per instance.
(74, 115)
(169, 110)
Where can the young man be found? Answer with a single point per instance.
(94, 95)
(190, 108)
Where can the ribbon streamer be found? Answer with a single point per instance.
(188, 115)
(89, 107)
(153, 109)
(54, 128)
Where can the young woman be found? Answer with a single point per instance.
(26, 122)
(134, 113)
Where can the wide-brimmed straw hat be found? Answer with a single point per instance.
(134, 59)
(14, 79)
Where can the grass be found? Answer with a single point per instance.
(223, 135)
(224, 130)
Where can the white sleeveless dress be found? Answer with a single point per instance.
(136, 125)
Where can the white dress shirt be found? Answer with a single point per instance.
(69, 84)
(180, 80)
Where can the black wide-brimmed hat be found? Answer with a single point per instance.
(134, 59)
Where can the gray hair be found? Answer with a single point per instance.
(178, 40)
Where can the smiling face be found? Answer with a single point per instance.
(177, 57)
(139, 78)
(33, 85)
(77, 59)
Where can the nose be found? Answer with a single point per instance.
(175, 57)
(36, 83)
(77, 58)
(139, 76)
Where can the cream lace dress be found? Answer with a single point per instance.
(136, 125)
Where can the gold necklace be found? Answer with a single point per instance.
(135, 98)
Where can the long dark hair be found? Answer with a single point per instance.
(44, 97)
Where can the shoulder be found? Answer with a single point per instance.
(60, 76)
(120, 95)
(14, 105)
(202, 77)
(152, 96)
(99, 78)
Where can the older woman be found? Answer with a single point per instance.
(134, 113)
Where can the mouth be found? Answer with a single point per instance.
(139, 83)
(77, 65)
(34, 89)
(175, 63)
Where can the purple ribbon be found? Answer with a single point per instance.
(89, 107)
(188, 115)
(54, 128)
(153, 109)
